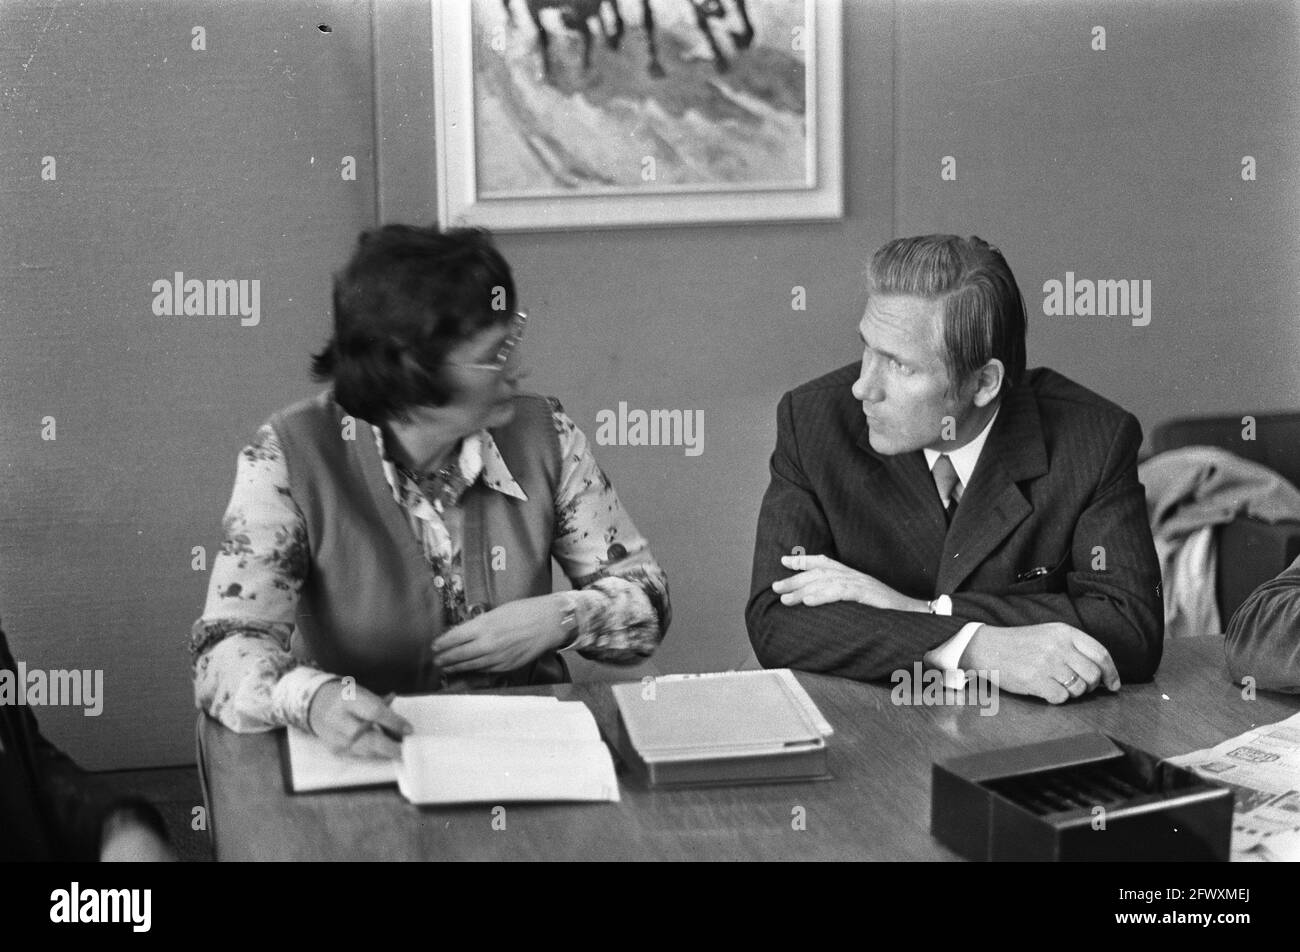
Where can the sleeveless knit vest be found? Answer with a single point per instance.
(368, 607)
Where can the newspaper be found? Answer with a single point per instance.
(1262, 766)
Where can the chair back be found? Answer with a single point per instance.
(1276, 442)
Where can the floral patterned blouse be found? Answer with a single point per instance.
(244, 674)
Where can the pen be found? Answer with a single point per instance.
(1033, 573)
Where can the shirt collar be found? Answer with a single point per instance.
(964, 458)
(479, 457)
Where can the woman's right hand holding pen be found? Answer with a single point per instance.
(354, 721)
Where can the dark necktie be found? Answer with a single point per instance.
(945, 478)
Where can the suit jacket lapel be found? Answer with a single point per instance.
(993, 505)
(901, 492)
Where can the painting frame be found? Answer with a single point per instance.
(819, 198)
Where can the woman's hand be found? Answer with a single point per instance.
(354, 721)
(503, 639)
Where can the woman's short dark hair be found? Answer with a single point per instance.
(408, 296)
(983, 312)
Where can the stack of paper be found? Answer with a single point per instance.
(474, 749)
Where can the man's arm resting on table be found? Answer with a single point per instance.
(1112, 624)
(1113, 590)
(1121, 605)
(846, 638)
(1263, 637)
(842, 638)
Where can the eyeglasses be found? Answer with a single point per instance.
(518, 321)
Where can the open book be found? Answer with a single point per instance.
(474, 748)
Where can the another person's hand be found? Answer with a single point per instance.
(821, 580)
(351, 720)
(1054, 661)
(505, 638)
(127, 839)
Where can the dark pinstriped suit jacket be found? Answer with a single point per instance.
(1056, 485)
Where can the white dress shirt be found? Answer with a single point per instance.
(947, 656)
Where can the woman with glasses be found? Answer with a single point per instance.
(395, 533)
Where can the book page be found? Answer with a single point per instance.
(438, 770)
(313, 766)
(487, 715)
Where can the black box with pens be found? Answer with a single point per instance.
(1083, 797)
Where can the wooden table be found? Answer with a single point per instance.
(877, 807)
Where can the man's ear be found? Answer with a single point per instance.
(988, 382)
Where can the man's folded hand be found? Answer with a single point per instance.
(1054, 661)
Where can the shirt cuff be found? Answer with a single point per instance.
(584, 603)
(947, 656)
(292, 695)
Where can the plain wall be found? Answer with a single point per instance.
(1115, 164)
(1123, 163)
(220, 164)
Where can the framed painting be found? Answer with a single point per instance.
(605, 113)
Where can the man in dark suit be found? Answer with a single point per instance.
(939, 503)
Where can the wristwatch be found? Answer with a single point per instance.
(569, 619)
(941, 605)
